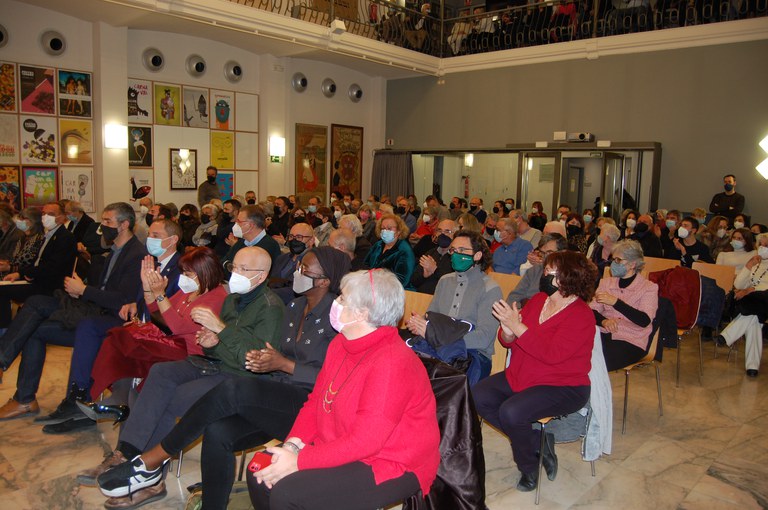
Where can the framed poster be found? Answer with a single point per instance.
(223, 149)
(195, 107)
(223, 109)
(142, 183)
(139, 101)
(38, 140)
(9, 139)
(183, 165)
(77, 185)
(76, 147)
(75, 94)
(226, 183)
(41, 185)
(346, 159)
(7, 87)
(37, 91)
(167, 104)
(311, 149)
(139, 146)
(10, 186)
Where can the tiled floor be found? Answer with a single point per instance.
(708, 451)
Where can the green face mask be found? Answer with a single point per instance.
(461, 262)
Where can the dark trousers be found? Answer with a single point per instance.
(89, 335)
(618, 353)
(347, 487)
(10, 293)
(28, 335)
(514, 412)
(239, 413)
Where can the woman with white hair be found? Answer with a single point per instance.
(205, 234)
(624, 306)
(602, 248)
(353, 444)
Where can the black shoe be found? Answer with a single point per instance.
(70, 425)
(527, 482)
(95, 410)
(67, 409)
(720, 339)
(751, 373)
(550, 459)
(128, 477)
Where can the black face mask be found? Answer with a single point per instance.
(452, 206)
(546, 284)
(108, 233)
(184, 217)
(400, 210)
(251, 201)
(296, 246)
(496, 210)
(573, 230)
(212, 179)
(299, 219)
(149, 218)
(490, 231)
(205, 218)
(641, 228)
(443, 241)
(473, 208)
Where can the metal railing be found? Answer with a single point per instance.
(540, 23)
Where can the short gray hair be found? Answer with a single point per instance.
(561, 243)
(508, 225)
(123, 212)
(631, 251)
(352, 223)
(379, 292)
(346, 238)
(611, 231)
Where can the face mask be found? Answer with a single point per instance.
(49, 222)
(763, 252)
(187, 284)
(600, 240)
(299, 219)
(239, 284)
(143, 209)
(497, 236)
(337, 214)
(573, 230)
(296, 246)
(301, 282)
(496, 210)
(312, 209)
(721, 232)
(631, 223)
(205, 218)
(461, 262)
(211, 179)
(250, 201)
(347, 204)
(370, 203)
(508, 207)
(618, 270)
(237, 230)
(291, 205)
(587, 218)
(149, 218)
(443, 241)
(641, 228)
(424, 205)
(701, 221)
(108, 233)
(728, 187)
(737, 245)
(547, 285)
(72, 218)
(335, 317)
(738, 224)
(364, 217)
(473, 208)
(22, 225)
(426, 218)
(452, 206)
(400, 210)
(670, 224)
(226, 217)
(682, 232)
(155, 246)
(534, 210)
(387, 236)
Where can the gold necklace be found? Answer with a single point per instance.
(330, 395)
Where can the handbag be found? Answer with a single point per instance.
(71, 311)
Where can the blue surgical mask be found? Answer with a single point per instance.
(387, 236)
(618, 269)
(312, 209)
(497, 236)
(587, 218)
(670, 224)
(155, 246)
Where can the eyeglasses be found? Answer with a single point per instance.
(301, 238)
(446, 231)
(545, 253)
(461, 250)
(303, 270)
(231, 267)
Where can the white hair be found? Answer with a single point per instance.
(352, 223)
(379, 292)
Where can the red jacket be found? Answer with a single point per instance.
(682, 286)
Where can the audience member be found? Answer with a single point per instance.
(249, 231)
(435, 263)
(628, 224)
(78, 220)
(476, 209)
(189, 220)
(299, 242)
(538, 218)
(367, 219)
(578, 240)
(26, 249)
(362, 245)
(740, 250)
(727, 203)
(469, 223)
(392, 251)
(589, 221)
(406, 214)
(489, 229)
(313, 205)
(714, 235)
(524, 230)
(602, 251)
(205, 234)
(668, 233)
(10, 235)
(512, 251)
(208, 189)
(429, 220)
(687, 248)
(343, 239)
(644, 235)
(224, 238)
(740, 221)
(281, 218)
(324, 228)
(530, 282)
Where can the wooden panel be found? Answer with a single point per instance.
(507, 282)
(653, 264)
(416, 302)
(723, 275)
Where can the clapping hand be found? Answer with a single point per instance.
(509, 318)
(206, 318)
(417, 325)
(206, 339)
(266, 360)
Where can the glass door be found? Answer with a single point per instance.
(612, 197)
(539, 180)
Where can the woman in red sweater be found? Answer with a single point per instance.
(367, 436)
(551, 341)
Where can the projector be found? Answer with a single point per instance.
(581, 137)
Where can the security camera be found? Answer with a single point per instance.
(53, 43)
(328, 87)
(153, 59)
(355, 93)
(233, 72)
(299, 82)
(195, 66)
(3, 36)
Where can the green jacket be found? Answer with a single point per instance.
(267, 243)
(259, 322)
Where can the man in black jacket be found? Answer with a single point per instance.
(79, 221)
(47, 319)
(55, 260)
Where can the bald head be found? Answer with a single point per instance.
(250, 260)
(554, 227)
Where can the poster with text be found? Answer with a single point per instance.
(142, 184)
(195, 107)
(40, 186)
(75, 94)
(139, 101)
(9, 139)
(223, 149)
(311, 149)
(77, 185)
(222, 109)
(7, 87)
(346, 159)
(76, 146)
(226, 183)
(168, 105)
(139, 146)
(10, 186)
(38, 140)
(37, 91)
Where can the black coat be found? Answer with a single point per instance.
(56, 261)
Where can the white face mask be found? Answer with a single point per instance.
(738, 224)
(144, 209)
(187, 284)
(631, 223)
(721, 233)
(337, 214)
(737, 245)
(237, 231)
(49, 222)
(239, 284)
(21, 225)
(682, 232)
(534, 210)
(763, 252)
(301, 282)
(426, 218)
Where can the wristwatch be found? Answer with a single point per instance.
(160, 298)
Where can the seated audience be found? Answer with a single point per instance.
(343, 239)
(367, 217)
(78, 220)
(10, 234)
(426, 227)
(323, 230)
(740, 221)
(668, 233)
(524, 230)
(578, 240)
(205, 234)
(628, 224)
(739, 251)
(189, 220)
(280, 218)
(27, 247)
(227, 220)
(529, 283)
(625, 306)
(435, 263)
(512, 251)
(362, 245)
(537, 218)
(249, 230)
(589, 221)
(406, 214)
(758, 228)
(644, 235)
(551, 341)
(714, 235)
(489, 229)
(602, 253)
(469, 223)
(300, 240)
(476, 209)
(392, 251)
(313, 205)
(686, 247)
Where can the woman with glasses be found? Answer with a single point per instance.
(550, 341)
(468, 222)
(29, 221)
(392, 251)
(625, 305)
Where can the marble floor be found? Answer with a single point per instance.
(708, 451)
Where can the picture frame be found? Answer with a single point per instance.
(139, 97)
(38, 139)
(346, 174)
(41, 185)
(9, 140)
(311, 154)
(223, 149)
(8, 92)
(140, 146)
(37, 90)
(75, 141)
(168, 106)
(77, 185)
(196, 107)
(182, 164)
(74, 94)
(10, 186)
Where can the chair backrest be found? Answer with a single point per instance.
(416, 302)
(723, 275)
(653, 264)
(507, 282)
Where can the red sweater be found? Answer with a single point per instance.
(383, 415)
(557, 352)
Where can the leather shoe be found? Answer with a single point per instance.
(14, 409)
(751, 372)
(138, 498)
(87, 477)
(96, 410)
(70, 425)
(720, 339)
(549, 461)
(66, 409)
(528, 482)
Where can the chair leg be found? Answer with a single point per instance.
(541, 461)
(658, 388)
(626, 398)
(241, 470)
(178, 466)
(677, 371)
(701, 359)
(592, 465)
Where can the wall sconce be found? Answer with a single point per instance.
(116, 136)
(276, 149)
(763, 167)
(469, 160)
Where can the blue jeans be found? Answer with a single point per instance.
(479, 365)
(89, 335)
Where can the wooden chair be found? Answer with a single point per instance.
(653, 264)
(507, 282)
(723, 275)
(416, 302)
(648, 359)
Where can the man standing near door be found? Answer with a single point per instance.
(728, 203)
